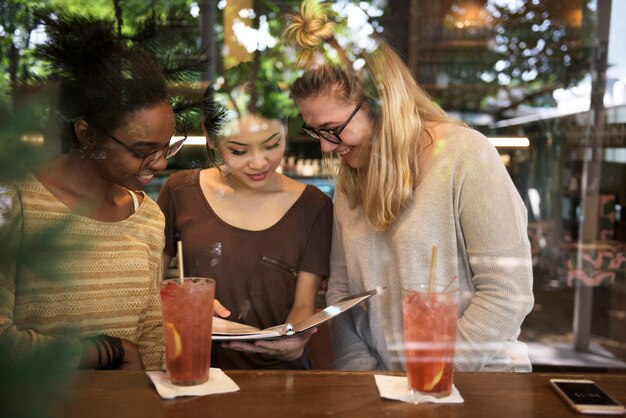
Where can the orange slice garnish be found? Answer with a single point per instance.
(173, 342)
(436, 379)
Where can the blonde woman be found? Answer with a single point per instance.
(410, 177)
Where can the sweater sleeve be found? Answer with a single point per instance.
(350, 348)
(493, 221)
(24, 344)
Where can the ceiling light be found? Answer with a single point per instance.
(191, 140)
(515, 142)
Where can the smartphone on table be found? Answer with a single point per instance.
(586, 397)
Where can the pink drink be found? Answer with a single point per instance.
(429, 336)
(187, 324)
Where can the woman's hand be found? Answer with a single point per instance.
(219, 309)
(132, 358)
(89, 360)
(287, 349)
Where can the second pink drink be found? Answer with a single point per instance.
(429, 335)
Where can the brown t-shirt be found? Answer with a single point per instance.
(255, 271)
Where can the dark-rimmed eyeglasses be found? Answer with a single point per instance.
(147, 160)
(331, 136)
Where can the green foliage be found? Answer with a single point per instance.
(16, 155)
(16, 60)
(536, 48)
(35, 386)
(35, 389)
(237, 76)
(532, 50)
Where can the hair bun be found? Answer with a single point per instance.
(309, 30)
(312, 26)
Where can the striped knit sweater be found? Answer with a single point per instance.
(80, 277)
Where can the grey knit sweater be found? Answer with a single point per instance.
(467, 204)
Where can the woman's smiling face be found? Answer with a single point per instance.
(254, 151)
(328, 112)
(145, 131)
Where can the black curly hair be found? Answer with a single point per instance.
(214, 113)
(103, 77)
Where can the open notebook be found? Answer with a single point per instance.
(228, 330)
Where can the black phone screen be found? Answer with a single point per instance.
(585, 393)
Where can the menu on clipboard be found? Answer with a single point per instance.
(229, 330)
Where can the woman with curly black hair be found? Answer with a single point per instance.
(100, 296)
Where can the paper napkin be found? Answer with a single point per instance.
(218, 382)
(397, 388)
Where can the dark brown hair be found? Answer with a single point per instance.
(103, 78)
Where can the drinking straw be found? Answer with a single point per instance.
(181, 274)
(433, 265)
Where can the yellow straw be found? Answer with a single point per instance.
(433, 266)
(181, 274)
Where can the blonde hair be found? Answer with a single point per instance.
(399, 107)
(310, 28)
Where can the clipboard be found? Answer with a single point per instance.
(229, 330)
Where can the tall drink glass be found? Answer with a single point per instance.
(429, 337)
(187, 324)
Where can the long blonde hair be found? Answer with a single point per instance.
(398, 106)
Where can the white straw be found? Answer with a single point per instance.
(181, 273)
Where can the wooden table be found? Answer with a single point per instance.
(271, 394)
